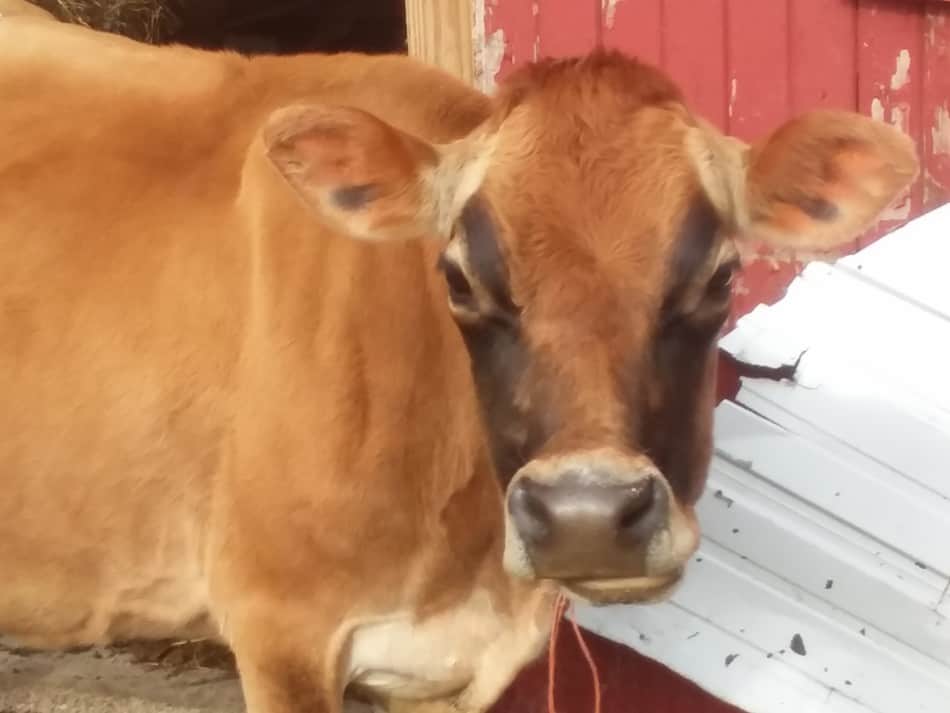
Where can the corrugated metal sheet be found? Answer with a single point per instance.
(747, 65)
(823, 580)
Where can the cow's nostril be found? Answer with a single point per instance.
(641, 512)
(635, 504)
(531, 516)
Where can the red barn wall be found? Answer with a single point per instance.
(747, 65)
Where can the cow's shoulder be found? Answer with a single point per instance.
(72, 52)
(130, 88)
(403, 91)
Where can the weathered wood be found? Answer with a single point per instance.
(440, 32)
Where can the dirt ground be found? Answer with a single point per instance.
(137, 678)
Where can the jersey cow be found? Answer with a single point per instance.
(353, 367)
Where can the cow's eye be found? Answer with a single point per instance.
(721, 283)
(459, 288)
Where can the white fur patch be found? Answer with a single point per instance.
(458, 176)
(469, 647)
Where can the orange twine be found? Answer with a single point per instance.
(560, 607)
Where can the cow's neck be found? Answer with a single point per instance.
(365, 332)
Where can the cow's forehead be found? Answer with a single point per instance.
(588, 86)
(615, 225)
(591, 174)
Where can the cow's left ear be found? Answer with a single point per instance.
(370, 179)
(815, 183)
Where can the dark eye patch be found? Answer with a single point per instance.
(695, 241)
(485, 260)
(720, 284)
(459, 288)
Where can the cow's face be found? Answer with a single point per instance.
(590, 232)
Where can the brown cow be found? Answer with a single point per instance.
(353, 367)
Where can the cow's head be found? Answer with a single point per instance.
(590, 234)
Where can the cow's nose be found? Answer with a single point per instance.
(582, 528)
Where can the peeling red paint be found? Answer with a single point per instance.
(935, 108)
(609, 12)
(900, 77)
(519, 27)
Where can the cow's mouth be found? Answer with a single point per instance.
(623, 590)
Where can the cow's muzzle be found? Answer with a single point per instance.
(604, 527)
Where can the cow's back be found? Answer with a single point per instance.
(123, 288)
(117, 346)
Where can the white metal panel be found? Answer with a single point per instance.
(828, 508)
(839, 570)
(732, 628)
(840, 321)
(874, 381)
(912, 261)
(698, 649)
(881, 507)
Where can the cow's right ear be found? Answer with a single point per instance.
(368, 178)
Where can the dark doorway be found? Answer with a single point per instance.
(248, 26)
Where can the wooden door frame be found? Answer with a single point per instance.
(441, 32)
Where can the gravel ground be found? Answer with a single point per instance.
(153, 678)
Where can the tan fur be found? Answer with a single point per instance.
(223, 415)
(24, 9)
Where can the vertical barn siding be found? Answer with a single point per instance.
(747, 65)
(935, 109)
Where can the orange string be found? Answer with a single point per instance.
(591, 664)
(560, 607)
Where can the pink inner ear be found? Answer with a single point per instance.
(331, 157)
(355, 170)
(328, 141)
(341, 148)
(864, 171)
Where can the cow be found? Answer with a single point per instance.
(356, 369)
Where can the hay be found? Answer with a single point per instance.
(153, 21)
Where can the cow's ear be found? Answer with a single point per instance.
(817, 182)
(371, 180)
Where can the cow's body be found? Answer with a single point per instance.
(223, 417)
(133, 373)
